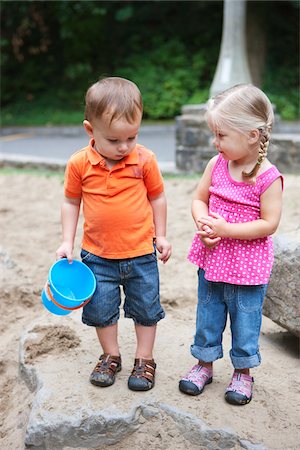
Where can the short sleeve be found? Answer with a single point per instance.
(152, 177)
(73, 181)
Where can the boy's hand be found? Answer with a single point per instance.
(164, 248)
(65, 251)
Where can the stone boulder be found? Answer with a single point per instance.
(282, 303)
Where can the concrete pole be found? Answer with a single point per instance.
(232, 65)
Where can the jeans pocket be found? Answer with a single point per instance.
(204, 288)
(250, 298)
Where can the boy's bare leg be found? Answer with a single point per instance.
(143, 373)
(108, 338)
(105, 371)
(145, 341)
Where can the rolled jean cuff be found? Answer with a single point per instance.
(245, 362)
(145, 322)
(209, 354)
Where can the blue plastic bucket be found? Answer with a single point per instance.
(69, 287)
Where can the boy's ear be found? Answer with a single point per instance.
(253, 136)
(88, 128)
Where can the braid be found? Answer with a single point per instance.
(262, 153)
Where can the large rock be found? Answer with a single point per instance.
(68, 412)
(282, 303)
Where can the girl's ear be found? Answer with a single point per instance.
(253, 136)
(88, 128)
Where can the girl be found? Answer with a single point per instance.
(236, 207)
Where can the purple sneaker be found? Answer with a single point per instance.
(239, 391)
(195, 380)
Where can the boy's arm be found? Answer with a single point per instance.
(69, 217)
(270, 212)
(159, 208)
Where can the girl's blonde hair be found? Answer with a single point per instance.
(243, 107)
(117, 97)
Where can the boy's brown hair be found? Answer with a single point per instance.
(114, 96)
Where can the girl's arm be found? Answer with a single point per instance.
(159, 208)
(201, 196)
(270, 212)
(200, 206)
(69, 217)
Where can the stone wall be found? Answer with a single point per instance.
(194, 145)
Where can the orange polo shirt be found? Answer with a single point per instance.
(118, 218)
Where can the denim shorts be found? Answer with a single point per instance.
(244, 304)
(139, 278)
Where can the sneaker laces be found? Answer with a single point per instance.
(140, 369)
(240, 385)
(104, 364)
(198, 374)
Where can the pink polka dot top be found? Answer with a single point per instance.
(236, 261)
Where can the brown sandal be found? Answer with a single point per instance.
(104, 373)
(142, 375)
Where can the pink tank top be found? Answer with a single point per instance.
(236, 261)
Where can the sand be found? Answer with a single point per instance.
(30, 233)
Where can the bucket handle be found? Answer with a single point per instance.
(47, 287)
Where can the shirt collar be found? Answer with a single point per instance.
(95, 157)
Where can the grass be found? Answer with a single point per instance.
(182, 176)
(39, 117)
(53, 109)
(47, 111)
(52, 117)
(8, 171)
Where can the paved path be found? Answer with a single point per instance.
(56, 144)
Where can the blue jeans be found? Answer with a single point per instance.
(244, 305)
(139, 278)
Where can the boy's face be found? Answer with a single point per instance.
(113, 140)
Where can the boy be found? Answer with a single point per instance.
(124, 208)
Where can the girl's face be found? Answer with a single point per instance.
(234, 145)
(113, 140)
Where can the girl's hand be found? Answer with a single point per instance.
(217, 226)
(164, 248)
(65, 251)
(209, 242)
(206, 229)
(205, 233)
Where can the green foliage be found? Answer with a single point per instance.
(199, 97)
(47, 109)
(51, 51)
(287, 105)
(166, 77)
(281, 77)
